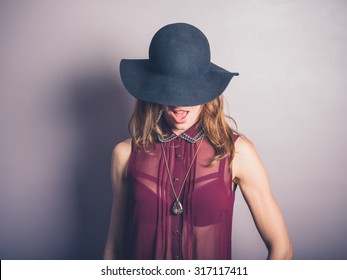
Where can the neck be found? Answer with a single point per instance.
(178, 132)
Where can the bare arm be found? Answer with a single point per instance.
(115, 240)
(251, 176)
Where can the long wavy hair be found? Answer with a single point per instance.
(145, 127)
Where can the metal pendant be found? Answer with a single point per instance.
(177, 208)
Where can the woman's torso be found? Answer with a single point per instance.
(203, 230)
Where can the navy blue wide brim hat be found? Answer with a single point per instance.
(178, 72)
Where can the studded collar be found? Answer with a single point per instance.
(192, 135)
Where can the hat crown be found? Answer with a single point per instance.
(179, 49)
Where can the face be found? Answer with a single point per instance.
(181, 118)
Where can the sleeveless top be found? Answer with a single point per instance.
(203, 230)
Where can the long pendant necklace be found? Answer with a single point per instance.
(177, 207)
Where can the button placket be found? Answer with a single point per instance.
(176, 219)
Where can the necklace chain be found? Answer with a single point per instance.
(177, 203)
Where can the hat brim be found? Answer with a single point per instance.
(144, 84)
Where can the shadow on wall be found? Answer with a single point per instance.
(101, 109)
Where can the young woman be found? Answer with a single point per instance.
(174, 181)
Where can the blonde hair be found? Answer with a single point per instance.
(145, 128)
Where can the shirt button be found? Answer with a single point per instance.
(178, 156)
(176, 231)
(176, 179)
(176, 257)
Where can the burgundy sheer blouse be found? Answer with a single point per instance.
(203, 230)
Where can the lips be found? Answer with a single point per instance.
(180, 116)
(180, 113)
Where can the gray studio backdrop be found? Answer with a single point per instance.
(63, 108)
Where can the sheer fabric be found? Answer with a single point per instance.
(204, 229)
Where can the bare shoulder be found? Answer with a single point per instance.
(122, 149)
(120, 156)
(244, 147)
(246, 160)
